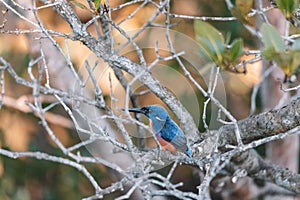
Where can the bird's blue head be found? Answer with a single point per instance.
(157, 114)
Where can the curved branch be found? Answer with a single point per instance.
(263, 125)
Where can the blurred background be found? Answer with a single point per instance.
(20, 129)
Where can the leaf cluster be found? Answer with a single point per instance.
(290, 9)
(287, 57)
(220, 51)
(287, 7)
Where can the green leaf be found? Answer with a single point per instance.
(80, 5)
(236, 49)
(269, 53)
(296, 62)
(271, 38)
(97, 4)
(297, 69)
(287, 58)
(287, 6)
(210, 39)
(232, 54)
(287, 61)
(284, 59)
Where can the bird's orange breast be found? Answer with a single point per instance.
(166, 145)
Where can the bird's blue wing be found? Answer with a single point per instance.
(169, 131)
(173, 134)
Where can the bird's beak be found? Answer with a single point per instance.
(136, 110)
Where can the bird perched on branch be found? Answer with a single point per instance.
(168, 133)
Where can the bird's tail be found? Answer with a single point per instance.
(189, 152)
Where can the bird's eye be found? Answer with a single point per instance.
(146, 110)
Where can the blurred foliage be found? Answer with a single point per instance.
(97, 4)
(274, 49)
(34, 179)
(235, 28)
(223, 54)
(19, 59)
(287, 7)
(40, 179)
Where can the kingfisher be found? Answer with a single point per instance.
(168, 133)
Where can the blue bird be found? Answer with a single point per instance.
(166, 130)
